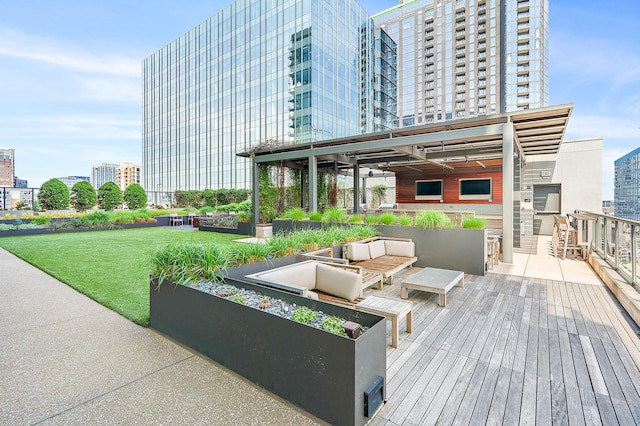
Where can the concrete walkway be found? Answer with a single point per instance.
(539, 262)
(65, 359)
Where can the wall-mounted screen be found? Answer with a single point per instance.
(429, 189)
(475, 189)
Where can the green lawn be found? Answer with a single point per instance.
(107, 266)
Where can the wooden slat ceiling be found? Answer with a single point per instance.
(537, 131)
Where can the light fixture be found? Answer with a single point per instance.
(370, 173)
(335, 167)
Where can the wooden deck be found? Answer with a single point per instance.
(512, 350)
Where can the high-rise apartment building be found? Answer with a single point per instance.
(626, 193)
(462, 58)
(127, 174)
(7, 167)
(262, 73)
(104, 173)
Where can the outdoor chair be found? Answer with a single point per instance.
(175, 220)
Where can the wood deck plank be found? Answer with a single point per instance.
(512, 350)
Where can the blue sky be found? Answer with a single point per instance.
(70, 76)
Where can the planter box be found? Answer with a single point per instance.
(459, 249)
(22, 232)
(244, 228)
(288, 225)
(322, 373)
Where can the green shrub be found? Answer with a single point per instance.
(315, 216)
(97, 219)
(334, 215)
(473, 223)
(187, 263)
(245, 217)
(387, 218)
(41, 220)
(433, 219)
(109, 196)
(135, 197)
(334, 325)
(371, 219)
(238, 299)
(405, 220)
(54, 195)
(303, 315)
(355, 218)
(294, 214)
(83, 196)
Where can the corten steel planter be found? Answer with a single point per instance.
(322, 373)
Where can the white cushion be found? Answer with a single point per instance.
(376, 249)
(300, 274)
(338, 282)
(357, 252)
(400, 248)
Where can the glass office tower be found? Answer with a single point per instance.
(626, 193)
(463, 58)
(257, 72)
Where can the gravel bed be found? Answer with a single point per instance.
(258, 301)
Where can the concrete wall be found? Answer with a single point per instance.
(577, 168)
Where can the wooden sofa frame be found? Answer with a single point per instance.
(386, 265)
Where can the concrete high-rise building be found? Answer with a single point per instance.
(260, 73)
(104, 173)
(626, 193)
(127, 174)
(7, 167)
(463, 58)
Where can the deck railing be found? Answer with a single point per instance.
(616, 241)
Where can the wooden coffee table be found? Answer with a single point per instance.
(433, 280)
(391, 309)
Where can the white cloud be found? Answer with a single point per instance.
(55, 52)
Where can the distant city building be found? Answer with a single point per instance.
(104, 173)
(259, 73)
(72, 180)
(608, 207)
(460, 58)
(626, 194)
(20, 183)
(127, 174)
(7, 167)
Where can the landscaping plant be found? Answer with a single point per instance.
(433, 219)
(387, 218)
(303, 315)
(135, 197)
(109, 196)
(54, 195)
(473, 222)
(83, 196)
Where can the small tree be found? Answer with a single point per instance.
(83, 196)
(109, 196)
(54, 195)
(135, 196)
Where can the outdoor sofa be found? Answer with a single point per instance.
(384, 255)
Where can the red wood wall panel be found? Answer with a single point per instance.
(406, 184)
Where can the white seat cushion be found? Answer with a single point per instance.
(300, 274)
(358, 252)
(400, 248)
(376, 249)
(338, 282)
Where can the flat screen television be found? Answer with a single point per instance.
(476, 189)
(429, 189)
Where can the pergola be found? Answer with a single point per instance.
(445, 145)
